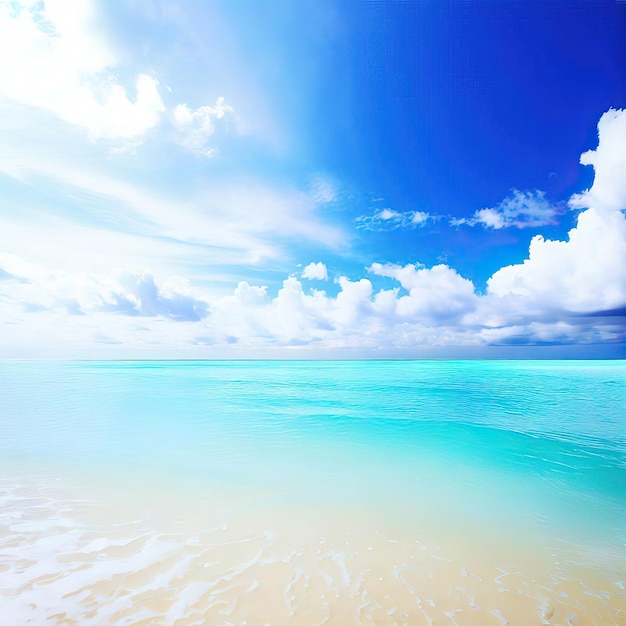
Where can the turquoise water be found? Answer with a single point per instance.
(531, 452)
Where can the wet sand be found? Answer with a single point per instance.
(69, 557)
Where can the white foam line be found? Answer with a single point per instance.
(501, 617)
(440, 558)
(602, 595)
(231, 608)
(240, 583)
(40, 526)
(287, 590)
(423, 612)
(188, 595)
(102, 543)
(324, 619)
(498, 579)
(405, 582)
(356, 585)
(193, 589)
(176, 571)
(362, 606)
(450, 615)
(131, 523)
(231, 573)
(340, 559)
(74, 582)
(267, 535)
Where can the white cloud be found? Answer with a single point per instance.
(438, 293)
(196, 127)
(356, 316)
(522, 209)
(250, 294)
(234, 222)
(585, 273)
(135, 310)
(322, 190)
(55, 57)
(139, 294)
(588, 271)
(389, 219)
(565, 292)
(608, 192)
(315, 271)
(419, 217)
(134, 293)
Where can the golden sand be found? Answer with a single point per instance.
(66, 560)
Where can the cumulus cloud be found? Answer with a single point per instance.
(133, 293)
(587, 272)
(522, 209)
(315, 271)
(195, 128)
(139, 294)
(566, 292)
(250, 294)
(424, 307)
(357, 316)
(60, 62)
(389, 219)
(608, 192)
(437, 293)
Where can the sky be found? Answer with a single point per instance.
(312, 179)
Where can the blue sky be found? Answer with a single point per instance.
(329, 178)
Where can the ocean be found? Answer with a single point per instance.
(313, 492)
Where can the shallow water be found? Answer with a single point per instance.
(473, 492)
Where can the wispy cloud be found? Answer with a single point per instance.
(194, 128)
(322, 190)
(145, 248)
(389, 219)
(554, 296)
(522, 209)
(122, 223)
